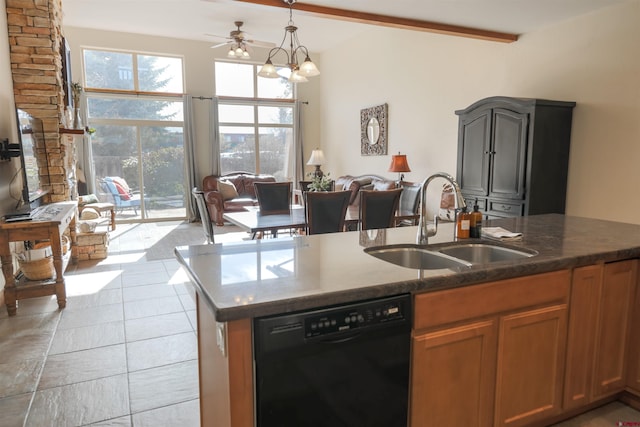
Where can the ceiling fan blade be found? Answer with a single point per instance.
(260, 43)
(220, 44)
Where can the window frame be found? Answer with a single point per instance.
(255, 102)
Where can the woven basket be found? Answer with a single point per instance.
(38, 270)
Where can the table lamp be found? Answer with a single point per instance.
(316, 159)
(399, 164)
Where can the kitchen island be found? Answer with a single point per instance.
(237, 282)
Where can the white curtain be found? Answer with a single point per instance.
(190, 156)
(214, 137)
(298, 153)
(85, 164)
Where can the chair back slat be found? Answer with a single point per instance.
(378, 208)
(326, 211)
(273, 197)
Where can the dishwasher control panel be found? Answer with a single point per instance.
(362, 315)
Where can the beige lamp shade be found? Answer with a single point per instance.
(317, 158)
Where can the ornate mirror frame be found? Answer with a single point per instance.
(373, 147)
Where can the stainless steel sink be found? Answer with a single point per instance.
(485, 253)
(449, 255)
(415, 256)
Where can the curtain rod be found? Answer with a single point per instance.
(210, 98)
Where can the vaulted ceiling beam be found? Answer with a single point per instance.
(392, 21)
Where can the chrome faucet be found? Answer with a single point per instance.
(423, 232)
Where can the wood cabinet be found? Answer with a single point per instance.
(599, 325)
(462, 359)
(490, 354)
(614, 309)
(585, 291)
(513, 155)
(530, 372)
(633, 372)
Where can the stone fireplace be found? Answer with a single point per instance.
(35, 40)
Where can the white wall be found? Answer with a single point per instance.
(593, 60)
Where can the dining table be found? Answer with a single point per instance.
(258, 224)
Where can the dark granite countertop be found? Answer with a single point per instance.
(264, 277)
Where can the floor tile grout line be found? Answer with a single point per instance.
(44, 363)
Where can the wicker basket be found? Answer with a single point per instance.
(38, 270)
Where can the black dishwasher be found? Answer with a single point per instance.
(341, 366)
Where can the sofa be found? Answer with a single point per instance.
(232, 192)
(362, 182)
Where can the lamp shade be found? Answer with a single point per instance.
(399, 163)
(316, 159)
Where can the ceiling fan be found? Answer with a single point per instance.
(239, 42)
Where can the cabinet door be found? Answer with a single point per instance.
(616, 296)
(508, 154)
(474, 147)
(583, 316)
(453, 376)
(531, 353)
(633, 377)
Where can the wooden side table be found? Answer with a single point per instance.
(101, 208)
(50, 223)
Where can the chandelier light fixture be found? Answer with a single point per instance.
(299, 72)
(238, 50)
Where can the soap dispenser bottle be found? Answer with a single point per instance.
(475, 223)
(464, 224)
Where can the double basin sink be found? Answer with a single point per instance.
(459, 254)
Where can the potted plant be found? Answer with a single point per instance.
(320, 183)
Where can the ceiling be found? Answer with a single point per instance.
(194, 19)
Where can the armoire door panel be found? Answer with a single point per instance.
(508, 154)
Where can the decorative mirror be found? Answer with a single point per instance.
(373, 131)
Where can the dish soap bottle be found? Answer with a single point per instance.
(475, 225)
(464, 224)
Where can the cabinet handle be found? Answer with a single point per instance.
(489, 152)
(506, 208)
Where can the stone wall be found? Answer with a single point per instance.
(35, 39)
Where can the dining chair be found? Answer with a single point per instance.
(326, 210)
(408, 213)
(273, 197)
(378, 208)
(207, 225)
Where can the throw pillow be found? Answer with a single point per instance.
(89, 198)
(89, 213)
(124, 195)
(228, 190)
(380, 185)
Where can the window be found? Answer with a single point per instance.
(256, 123)
(131, 102)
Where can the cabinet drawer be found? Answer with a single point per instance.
(475, 301)
(470, 200)
(502, 208)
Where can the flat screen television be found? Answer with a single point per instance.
(31, 135)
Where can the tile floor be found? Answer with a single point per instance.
(123, 352)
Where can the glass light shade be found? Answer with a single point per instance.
(268, 70)
(245, 55)
(308, 68)
(231, 53)
(296, 77)
(317, 158)
(399, 163)
(238, 51)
